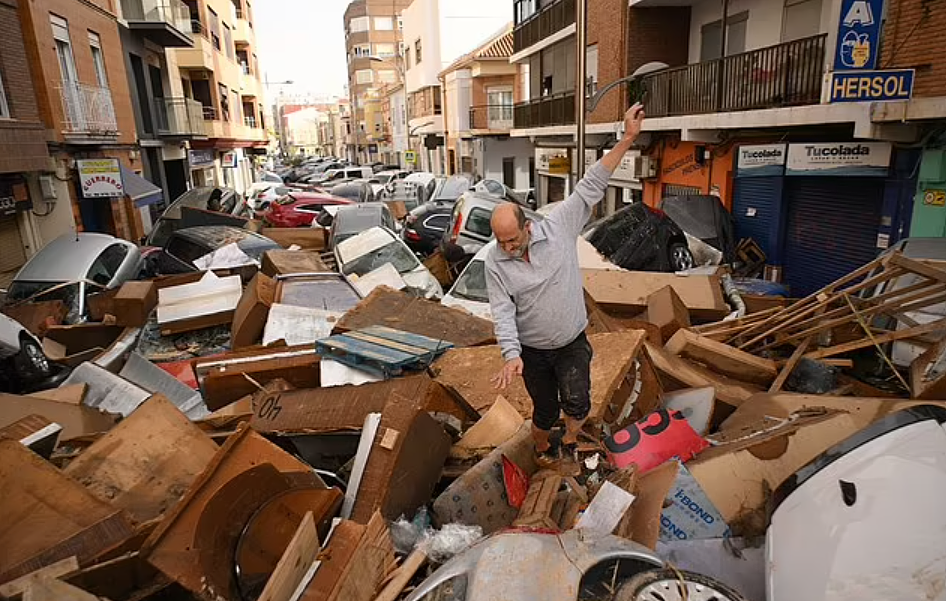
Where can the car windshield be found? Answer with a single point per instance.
(394, 253)
(69, 293)
(472, 283)
(452, 188)
(23, 290)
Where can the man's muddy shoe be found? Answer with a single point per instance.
(550, 457)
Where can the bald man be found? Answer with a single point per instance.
(537, 301)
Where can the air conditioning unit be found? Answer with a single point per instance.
(645, 168)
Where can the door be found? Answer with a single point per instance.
(832, 228)
(71, 93)
(509, 172)
(500, 108)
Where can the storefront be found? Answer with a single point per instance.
(201, 163)
(820, 210)
(929, 207)
(686, 168)
(552, 166)
(625, 185)
(14, 203)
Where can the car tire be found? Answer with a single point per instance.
(668, 584)
(32, 361)
(679, 257)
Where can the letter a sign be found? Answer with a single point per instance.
(858, 35)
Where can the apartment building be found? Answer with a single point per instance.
(222, 72)
(394, 118)
(77, 68)
(373, 40)
(815, 145)
(479, 96)
(544, 50)
(436, 33)
(24, 157)
(165, 119)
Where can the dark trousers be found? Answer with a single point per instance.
(558, 380)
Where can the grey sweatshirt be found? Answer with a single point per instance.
(540, 303)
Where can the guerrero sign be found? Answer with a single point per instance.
(100, 178)
(858, 34)
(873, 86)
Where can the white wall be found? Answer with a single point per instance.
(458, 93)
(490, 152)
(398, 122)
(421, 20)
(763, 29)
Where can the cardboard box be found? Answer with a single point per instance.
(37, 317)
(627, 291)
(284, 262)
(73, 345)
(667, 311)
(307, 238)
(249, 317)
(134, 303)
(208, 302)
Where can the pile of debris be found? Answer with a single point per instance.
(284, 435)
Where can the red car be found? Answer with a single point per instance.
(299, 209)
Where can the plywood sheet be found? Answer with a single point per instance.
(401, 311)
(46, 517)
(147, 462)
(76, 420)
(689, 374)
(468, 372)
(701, 294)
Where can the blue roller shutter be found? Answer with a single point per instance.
(756, 202)
(832, 228)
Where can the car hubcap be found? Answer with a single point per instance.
(682, 259)
(677, 590)
(37, 358)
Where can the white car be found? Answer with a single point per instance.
(383, 182)
(372, 248)
(22, 360)
(260, 195)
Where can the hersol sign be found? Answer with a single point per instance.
(839, 158)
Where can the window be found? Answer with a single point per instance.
(98, 59)
(358, 25)
(67, 63)
(4, 105)
(802, 19)
(383, 23)
(236, 106)
(387, 76)
(417, 52)
(106, 264)
(384, 50)
(224, 102)
(186, 251)
(214, 28)
(591, 70)
(478, 223)
(363, 76)
(711, 37)
(361, 50)
(525, 9)
(228, 40)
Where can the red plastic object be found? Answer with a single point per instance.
(653, 440)
(516, 481)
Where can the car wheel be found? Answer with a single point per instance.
(32, 360)
(680, 257)
(675, 585)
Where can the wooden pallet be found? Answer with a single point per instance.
(381, 350)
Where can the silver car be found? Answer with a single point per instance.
(527, 566)
(73, 266)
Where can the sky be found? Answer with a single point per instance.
(302, 41)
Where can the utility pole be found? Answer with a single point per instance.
(582, 55)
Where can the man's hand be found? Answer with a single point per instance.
(510, 370)
(633, 120)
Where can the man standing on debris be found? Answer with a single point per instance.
(537, 300)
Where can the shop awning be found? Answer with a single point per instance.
(139, 190)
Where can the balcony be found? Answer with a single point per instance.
(491, 117)
(548, 21)
(179, 117)
(164, 22)
(788, 74)
(556, 109)
(250, 121)
(89, 114)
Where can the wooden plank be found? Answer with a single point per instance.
(679, 369)
(72, 394)
(400, 578)
(789, 366)
(927, 376)
(918, 267)
(295, 562)
(467, 372)
(147, 462)
(722, 358)
(50, 589)
(430, 344)
(935, 326)
(60, 569)
(401, 311)
(46, 517)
